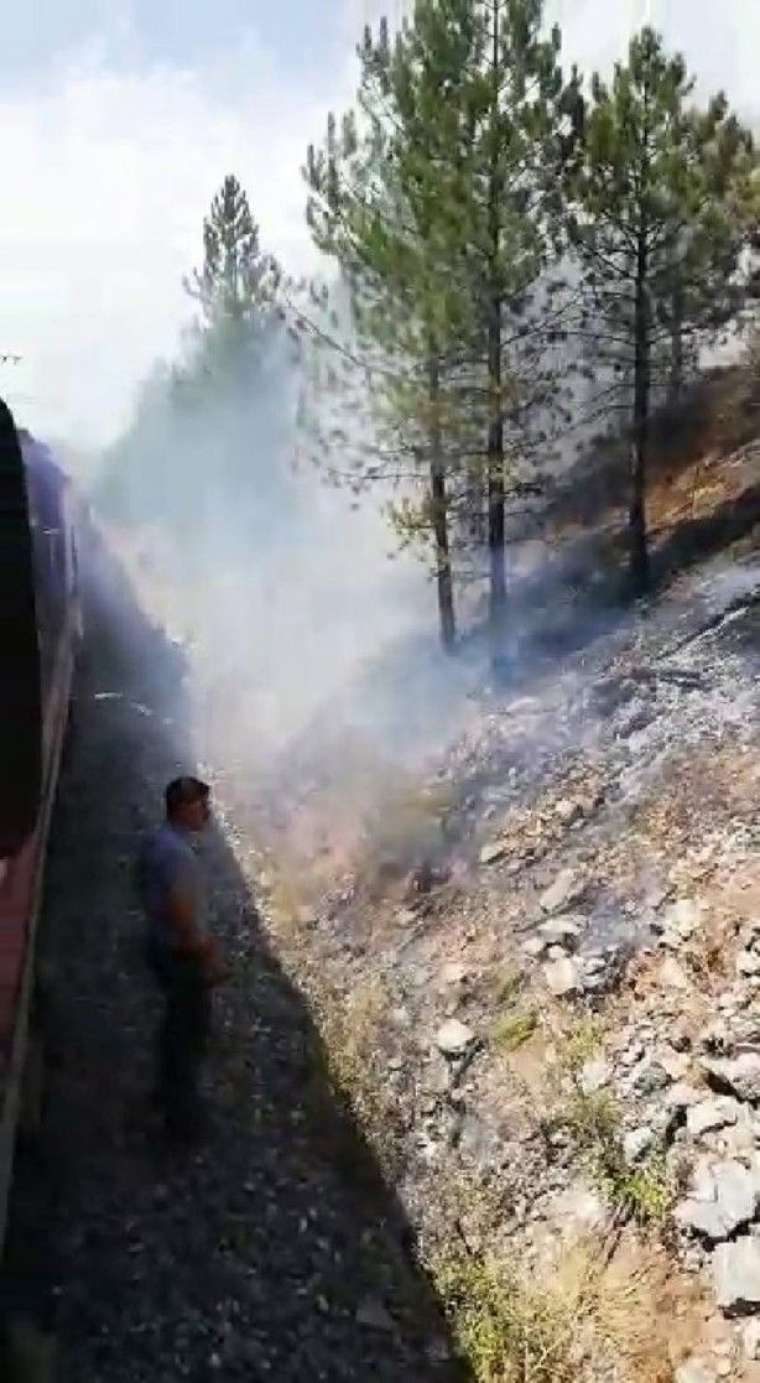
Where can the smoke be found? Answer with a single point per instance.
(312, 644)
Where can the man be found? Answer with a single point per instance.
(180, 952)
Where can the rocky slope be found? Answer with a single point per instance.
(556, 1006)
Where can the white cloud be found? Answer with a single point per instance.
(107, 176)
(108, 170)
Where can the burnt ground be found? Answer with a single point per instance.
(277, 1252)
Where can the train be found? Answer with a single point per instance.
(41, 630)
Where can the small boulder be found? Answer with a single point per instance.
(683, 1096)
(736, 1276)
(740, 1075)
(565, 889)
(594, 1076)
(454, 974)
(712, 1114)
(716, 1210)
(694, 1371)
(493, 852)
(751, 1339)
(453, 1038)
(673, 975)
(683, 917)
(748, 964)
(561, 977)
(562, 931)
(637, 1143)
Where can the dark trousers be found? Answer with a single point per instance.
(182, 1037)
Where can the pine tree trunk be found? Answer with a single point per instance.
(639, 546)
(676, 382)
(444, 581)
(496, 526)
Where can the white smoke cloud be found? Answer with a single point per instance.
(107, 176)
(109, 165)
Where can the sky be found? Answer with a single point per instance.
(118, 121)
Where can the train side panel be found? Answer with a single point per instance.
(36, 679)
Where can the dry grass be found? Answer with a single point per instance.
(351, 1028)
(581, 1043)
(514, 1028)
(581, 1315)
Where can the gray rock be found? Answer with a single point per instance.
(534, 947)
(454, 1038)
(594, 963)
(479, 1142)
(648, 1078)
(694, 1371)
(568, 811)
(741, 1075)
(562, 931)
(683, 1096)
(674, 1063)
(594, 1076)
(712, 1114)
(748, 963)
(638, 1142)
(561, 977)
(493, 852)
(736, 1276)
(673, 975)
(751, 1339)
(565, 889)
(579, 1208)
(454, 974)
(683, 917)
(732, 1203)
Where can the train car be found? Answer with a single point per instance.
(40, 631)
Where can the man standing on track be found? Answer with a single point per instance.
(183, 957)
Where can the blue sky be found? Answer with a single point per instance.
(118, 120)
(304, 36)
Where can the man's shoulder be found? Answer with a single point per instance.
(166, 845)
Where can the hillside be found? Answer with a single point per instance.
(537, 959)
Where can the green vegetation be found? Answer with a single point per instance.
(580, 1044)
(507, 1332)
(640, 1192)
(514, 1028)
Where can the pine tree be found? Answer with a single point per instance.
(455, 214)
(237, 281)
(662, 197)
(359, 214)
(479, 86)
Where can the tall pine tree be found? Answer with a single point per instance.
(236, 281)
(661, 202)
(467, 119)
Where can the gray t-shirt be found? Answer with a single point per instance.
(167, 860)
